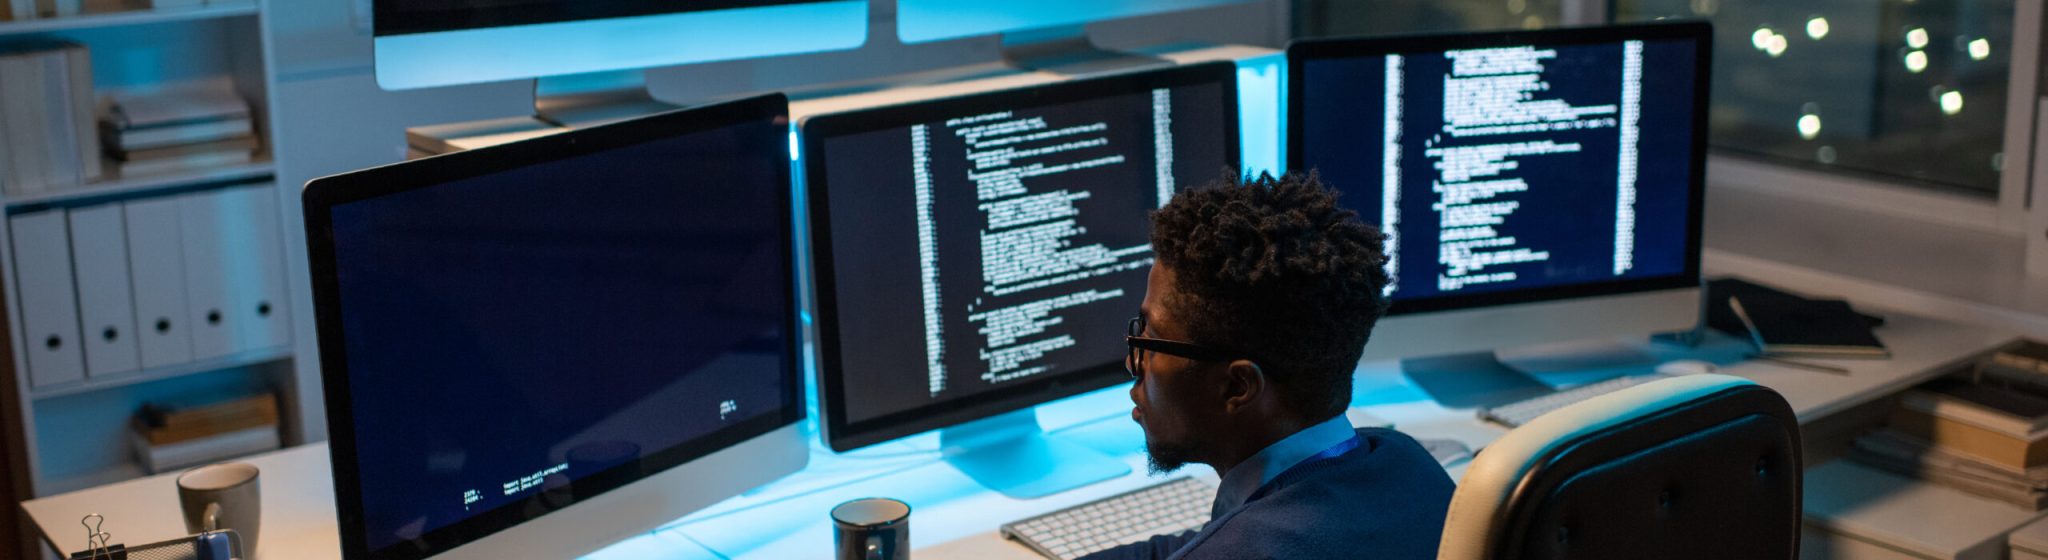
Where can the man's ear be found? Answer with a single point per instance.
(1244, 383)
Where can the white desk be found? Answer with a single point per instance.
(952, 516)
(298, 509)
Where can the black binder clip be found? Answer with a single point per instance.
(98, 544)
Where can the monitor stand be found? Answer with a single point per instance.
(1480, 378)
(1012, 455)
(586, 100)
(1066, 50)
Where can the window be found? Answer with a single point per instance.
(1904, 91)
(1909, 92)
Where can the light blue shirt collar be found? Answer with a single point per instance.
(1247, 477)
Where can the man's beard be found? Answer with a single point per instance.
(1165, 457)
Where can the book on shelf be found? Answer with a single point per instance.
(1998, 417)
(188, 163)
(156, 458)
(245, 144)
(175, 423)
(210, 101)
(1904, 454)
(1981, 428)
(185, 129)
(122, 141)
(1969, 439)
(171, 437)
(47, 139)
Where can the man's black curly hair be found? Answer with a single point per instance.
(1274, 270)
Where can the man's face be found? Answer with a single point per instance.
(1169, 395)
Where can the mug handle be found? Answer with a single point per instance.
(875, 547)
(210, 521)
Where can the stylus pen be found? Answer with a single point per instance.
(1801, 365)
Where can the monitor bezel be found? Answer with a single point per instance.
(1299, 53)
(388, 20)
(841, 435)
(322, 195)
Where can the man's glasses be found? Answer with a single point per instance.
(1140, 344)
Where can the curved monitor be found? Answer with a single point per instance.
(538, 349)
(438, 43)
(1535, 186)
(979, 255)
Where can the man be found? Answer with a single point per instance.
(1255, 315)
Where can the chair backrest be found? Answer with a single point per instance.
(1699, 466)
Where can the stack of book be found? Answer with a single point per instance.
(47, 136)
(179, 130)
(1982, 429)
(174, 437)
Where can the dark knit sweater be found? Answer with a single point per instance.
(1386, 499)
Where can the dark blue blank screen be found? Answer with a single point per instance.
(512, 334)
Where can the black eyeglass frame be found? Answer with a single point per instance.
(1169, 347)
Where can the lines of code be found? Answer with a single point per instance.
(1498, 113)
(1033, 243)
(928, 256)
(1631, 137)
(1390, 169)
(993, 248)
(1514, 173)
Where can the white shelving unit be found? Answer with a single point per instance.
(75, 431)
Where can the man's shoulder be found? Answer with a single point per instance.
(1387, 465)
(1387, 497)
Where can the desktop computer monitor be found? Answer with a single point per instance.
(425, 44)
(1535, 187)
(979, 255)
(537, 349)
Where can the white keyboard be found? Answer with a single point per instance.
(1174, 506)
(1521, 412)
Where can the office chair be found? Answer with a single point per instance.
(1700, 466)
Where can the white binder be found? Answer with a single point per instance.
(106, 308)
(259, 285)
(156, 262)
(208, 270)
(49, 305)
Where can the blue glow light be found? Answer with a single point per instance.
(577, 47)
(1259, 117)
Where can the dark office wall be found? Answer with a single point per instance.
(16, 537)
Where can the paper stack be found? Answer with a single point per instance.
(47, 136)
(179, 130)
